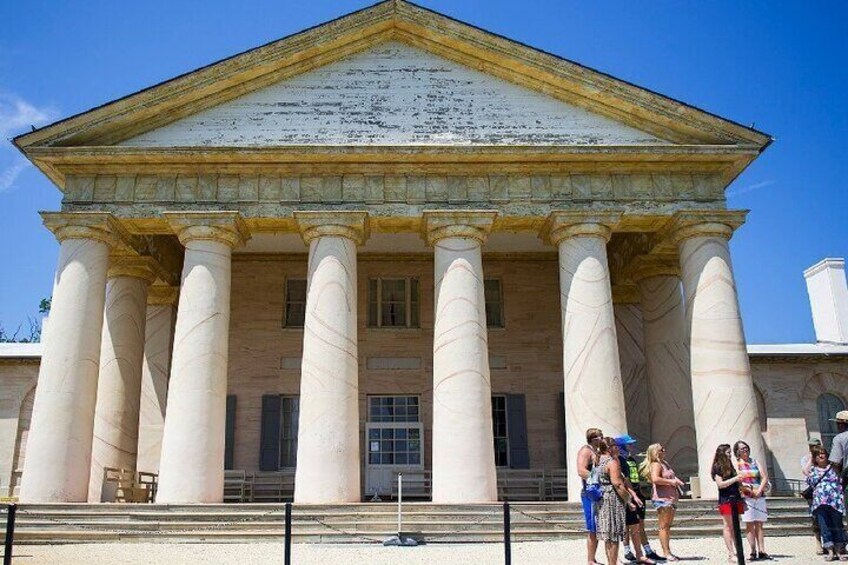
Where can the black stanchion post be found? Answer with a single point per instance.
(507, 546)
(737, 532)
(11, 510)
(288, 534)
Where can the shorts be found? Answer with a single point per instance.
(588, 512)
(755, 510)
(726, 508)
(633, 517)
(660, 503)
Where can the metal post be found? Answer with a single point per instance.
(507, 545)
(287, 555)
(737, 532)
(10, 533)
(400, 501)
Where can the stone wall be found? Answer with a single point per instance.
(18, 378)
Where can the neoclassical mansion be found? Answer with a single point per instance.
(392, 242)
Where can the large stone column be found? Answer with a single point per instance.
(667, 360)
(723, 395)
(328, 456)
(463, 444)
(58, 458)
(155, 368)
(594, 394)
(192, 464)
(115, 440)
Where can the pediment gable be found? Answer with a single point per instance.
(393, 94)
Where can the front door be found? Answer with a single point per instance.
(394, 441)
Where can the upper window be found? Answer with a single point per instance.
(494, 303)
(393, 409)
(828, 405)
(393, 303)
(295, 314)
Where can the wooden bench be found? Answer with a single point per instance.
(521, 484)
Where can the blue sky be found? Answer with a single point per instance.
(780, 65)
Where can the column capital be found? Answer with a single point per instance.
(704, 223)
(162, 295)
(469, 224)
(647, 266)
(99, 226)
(224, 227)
(624, 294)
(144, 268)
(563, 224)
(353, 225)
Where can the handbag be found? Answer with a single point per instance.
(807, 493)
(593, 489)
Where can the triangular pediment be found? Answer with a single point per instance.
(393, 94)
(385, 78)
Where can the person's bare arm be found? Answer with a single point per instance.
(657, 478)
(722, 483)
(763, 483)
(583, 457)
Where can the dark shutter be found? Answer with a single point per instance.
(519, 454)
(269, 440)
(230, 432)
(561, 420)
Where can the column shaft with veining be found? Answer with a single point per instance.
(115, 440)
(192, 463)
(723, 394)
(594, 393)
(58, 454)
(155, 369)
(463, 444)
(667, 360)
(328, 455)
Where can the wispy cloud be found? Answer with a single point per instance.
(16, 117)
(740, 190)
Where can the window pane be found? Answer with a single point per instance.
(494, 303)
(415, 458)
(295, 303)
(289, 416)
(372, 303)
(401, 458)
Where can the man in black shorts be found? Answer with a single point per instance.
(635, 519)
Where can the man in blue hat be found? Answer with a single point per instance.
(635, 519)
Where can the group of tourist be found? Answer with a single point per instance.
(825, 493)
(614, 503)
(612, 497)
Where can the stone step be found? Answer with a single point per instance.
(78, 523)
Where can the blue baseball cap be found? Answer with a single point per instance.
(624, 441)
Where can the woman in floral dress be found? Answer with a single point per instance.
(828, 506)
(611, 524)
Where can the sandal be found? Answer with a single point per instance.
(672, 557)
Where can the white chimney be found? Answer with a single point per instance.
(829, 300)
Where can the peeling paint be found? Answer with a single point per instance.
(393, 94)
